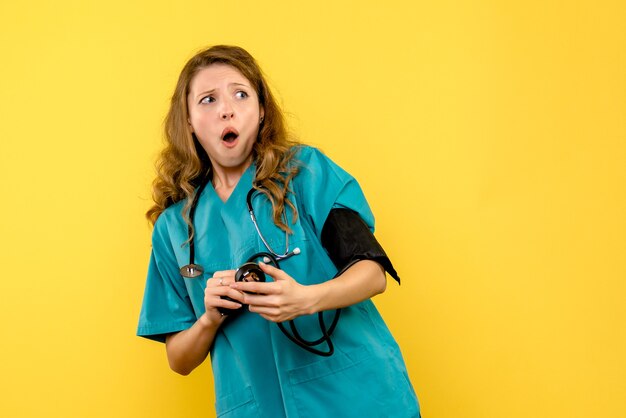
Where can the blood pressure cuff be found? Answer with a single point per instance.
(348, 239)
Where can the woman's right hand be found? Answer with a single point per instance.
(216, 287)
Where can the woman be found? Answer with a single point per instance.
(226, 144)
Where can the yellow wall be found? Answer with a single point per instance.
(490, 138)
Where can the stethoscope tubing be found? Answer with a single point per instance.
(279, 257)
(295, 336)
(192, 269)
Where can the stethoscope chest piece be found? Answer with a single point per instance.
(191, 271)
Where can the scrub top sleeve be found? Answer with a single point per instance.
(166, 305)
(322, 185)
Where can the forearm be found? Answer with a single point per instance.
(187, 349)
(361, 281)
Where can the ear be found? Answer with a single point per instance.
(262, 113)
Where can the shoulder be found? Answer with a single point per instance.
(307, 153)
(170, 217)
(312, 160)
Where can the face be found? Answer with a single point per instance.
(224, 113)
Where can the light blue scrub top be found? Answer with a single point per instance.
(258, 372)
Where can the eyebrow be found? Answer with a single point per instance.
(212, 90)
(204, 93)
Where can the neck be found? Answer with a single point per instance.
(225, 179)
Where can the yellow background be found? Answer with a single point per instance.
(489, 136)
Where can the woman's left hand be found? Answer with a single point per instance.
(278, 301)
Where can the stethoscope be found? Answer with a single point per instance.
(278, 257)
(193, 270)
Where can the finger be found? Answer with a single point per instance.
(224, 273)
(266, 312)
(223, 277)
(225, 303)
(236, 295)
(261, 300)
(275, 273)
(262, 288)
(218, 301)
(275, 317)
(219, 291)
(220, 281)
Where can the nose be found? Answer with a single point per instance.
(226, 112)
(227, 115)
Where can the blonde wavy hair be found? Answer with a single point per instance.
(183, 164)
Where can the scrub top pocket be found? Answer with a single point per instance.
(237, 404)
(354, 384)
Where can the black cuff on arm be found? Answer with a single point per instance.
(348, 239)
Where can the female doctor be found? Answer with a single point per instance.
(228, 156)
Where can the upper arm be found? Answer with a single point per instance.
(166, 306)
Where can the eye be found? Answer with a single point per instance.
(207, 100)
(241, 94)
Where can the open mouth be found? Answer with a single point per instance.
(229, 135)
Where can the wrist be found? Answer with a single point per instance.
(317, 297)
(207, 323)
